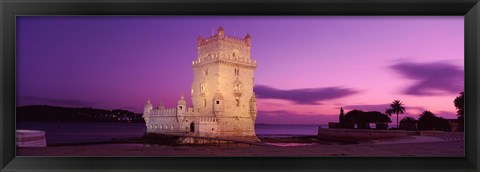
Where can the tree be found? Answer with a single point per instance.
(459, 103)
(428, 121)
(408, 123)
(398, 108)
(363, 119)
(353, 117)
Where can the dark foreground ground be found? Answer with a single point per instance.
(421, 149)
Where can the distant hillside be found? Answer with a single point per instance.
(66, 114)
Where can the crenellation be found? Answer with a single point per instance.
(226, 38)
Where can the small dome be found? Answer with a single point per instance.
(220, 30)
(160, 105)
(148, 105)
(248, 39)
(199, 39)
(182, 101)
(248, 36)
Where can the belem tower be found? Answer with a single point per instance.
(224, 104)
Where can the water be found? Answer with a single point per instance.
(63, 132)
(286, 130)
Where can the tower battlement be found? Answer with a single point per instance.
(226, 49)
(220, 36)
(226, 38)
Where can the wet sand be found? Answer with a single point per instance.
(423, 149)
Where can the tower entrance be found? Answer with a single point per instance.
(192, 127)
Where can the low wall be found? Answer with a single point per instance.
(361, 134)
(372, 134)
(30, 138)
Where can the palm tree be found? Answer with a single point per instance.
(397, 107)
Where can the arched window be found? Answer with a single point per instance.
(161, 126)
(204, 102)
(156, 126)
(238, 102)
(218, 102)
(206, 72)
(237, 72)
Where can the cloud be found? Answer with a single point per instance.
(29, 100)
(303, 96)
(435, 78)
(378, 107)
(381, 107)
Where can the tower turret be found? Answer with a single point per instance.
(220, 31)
(182, 106)
(147, 108)
(248, 39)
(160, 105)
(199, 39)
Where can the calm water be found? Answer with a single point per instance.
(91, 132)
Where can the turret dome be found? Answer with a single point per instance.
(160, 105)
(248, 39)
(199, 39)
(148, 105)
(182, 101)
(220, 30)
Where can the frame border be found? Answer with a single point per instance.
(12, 8)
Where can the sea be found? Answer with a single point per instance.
(70, 132)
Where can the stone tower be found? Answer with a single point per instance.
(223, 83)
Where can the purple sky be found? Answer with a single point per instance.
(307, 67)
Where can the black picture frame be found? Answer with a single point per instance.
(11, 8)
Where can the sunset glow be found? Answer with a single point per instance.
(307, 67)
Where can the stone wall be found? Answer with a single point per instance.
(361, 135)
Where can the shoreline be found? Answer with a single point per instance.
(285, 138)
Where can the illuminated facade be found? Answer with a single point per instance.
(224, 104)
